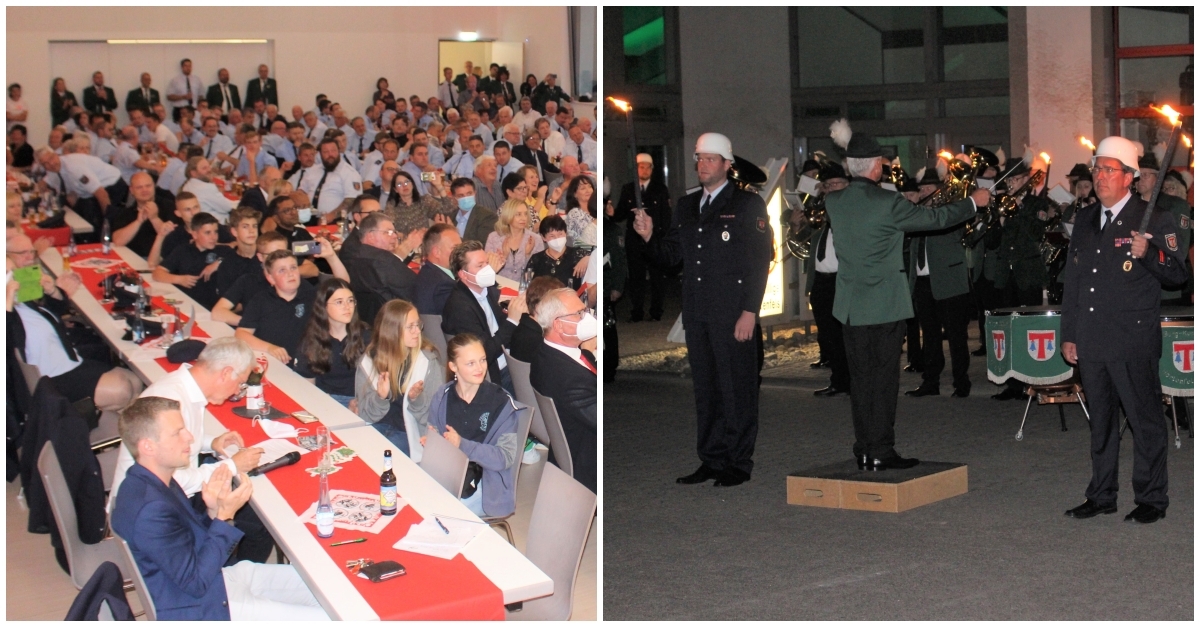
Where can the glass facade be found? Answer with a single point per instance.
(888, 46)
(644, 44)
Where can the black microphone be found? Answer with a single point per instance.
(286, 460)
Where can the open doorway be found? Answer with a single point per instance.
(482, 54)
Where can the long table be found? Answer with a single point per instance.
(514, 575)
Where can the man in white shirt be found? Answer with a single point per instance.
(214, 143)
(580, 146)
(447, 91)
(359, 138)
(314, 129)
(184, 89)
(389, 150)
(552, 141)
(335, 188)
(277, 143)
(105, 145)
(474, 122)
(306, 177)
(462, 165)
(218, 374)
(162, 135)
(212, 200)
(95, 184)
(127, 159)
(526, 117)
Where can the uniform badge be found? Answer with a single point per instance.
(483, 420)
(357, 186)
(761, 225)
(300, 310)
(1127, 266)
(1185, 222)
(725, 236)
(83, 180)
(1172, 242)
(210, 257)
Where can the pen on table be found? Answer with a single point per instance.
(355, 541)
(444, 529)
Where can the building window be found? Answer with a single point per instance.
(644, 43)
(1154, 60)
(888, 46)
(974, 42)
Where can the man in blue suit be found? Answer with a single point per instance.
(434, 281)
(181, 552)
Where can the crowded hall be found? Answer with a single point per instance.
(294, 334)
(869, 230)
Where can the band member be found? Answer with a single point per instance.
(873, 299)
(821, 273)
(722, 236)
(927, 182)
(1180, 212)
(1110, 327)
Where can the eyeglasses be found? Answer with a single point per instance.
(389, 232)
(1106, 170)
(342, 302)
(403, 182)
(416, 326)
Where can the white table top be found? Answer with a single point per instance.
(77, 223)
(516, 577)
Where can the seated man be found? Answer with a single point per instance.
(435, 281)
(527, 339)
(177, 232)
(234, 299)
(243, 258)
(274, 320)
(212, 200)
(473, 306)
(37, 332)
(567, 375)
(375, 267)
(290, 214)
(363, 206)
(192, 267)
(180, 551)
(473, 224)
(136, 222)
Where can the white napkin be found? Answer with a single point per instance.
(277, 430)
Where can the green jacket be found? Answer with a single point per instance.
(868, 233)
(948, 272)
(1183, 217)
(1019, 254)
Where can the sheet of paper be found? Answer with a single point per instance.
(808, 185)
(1060, 195)
(428, 538)
(29, 279)
(273, 449)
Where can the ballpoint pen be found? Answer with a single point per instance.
(355, 541)
(439, 523)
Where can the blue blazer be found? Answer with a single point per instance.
(433, 288)
(180, 551)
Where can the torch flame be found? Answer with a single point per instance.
(945, 154)
(1045, 157)
(1087, 143)
(1187, 141)
(620, 104)
(1171, 114)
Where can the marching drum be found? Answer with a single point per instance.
(1178, 351)
(1023, 343)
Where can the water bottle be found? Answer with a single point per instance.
(139, 328)
(324, 507)
(106, 237)
(71, 246)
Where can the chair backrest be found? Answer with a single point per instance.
(368, 304)
(558, 439)
(433, 332)
(31, 373)
(523, 421)
(63, 507)
(445, 463)
(519, 371)
(139, 582)
(558, 532)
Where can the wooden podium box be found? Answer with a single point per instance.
(844, 486)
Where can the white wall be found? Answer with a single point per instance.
(336, 51)
(1060, 106)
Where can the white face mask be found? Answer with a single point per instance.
(557, 244)
(585, 329)
(305, 215)
(486, 277)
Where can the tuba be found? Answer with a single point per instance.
(799, 234)
(960, 181)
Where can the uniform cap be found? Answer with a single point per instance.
(1118, 148)
(715, 143)
(645, 158)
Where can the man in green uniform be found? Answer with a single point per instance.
(873, 299)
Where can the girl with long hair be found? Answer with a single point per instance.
(479, 418)
(398, 376)
(333, 341)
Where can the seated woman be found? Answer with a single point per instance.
(581, 212)
(404, 197)
(479, 418)
(565, 263)
(536, 199)
(513, 240)
(398, 376)
(334, 340)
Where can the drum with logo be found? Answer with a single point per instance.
(1178, 352)
(1023, 343)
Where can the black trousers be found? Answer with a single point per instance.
(829, 329)
(912, 344)
(873, 352)
(637, 284)
(1135, 386)
(612, 355)
(89, 208)
(947, 318)
(1013, 296)
(725, 381)
(987, 298)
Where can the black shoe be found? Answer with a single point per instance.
(635, 318)
(1145, 514)
(820, 363)
(979, 352)
(893, 462)
(923, 391)
(862, 461)
(914, 368)
(731, 477)
(830, 391)
(704, 473)
(1011, 394)
(1089, 509)
(961, 392)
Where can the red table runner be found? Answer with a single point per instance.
(60, 236)
(432, 589)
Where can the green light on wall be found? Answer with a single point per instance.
(644, 38)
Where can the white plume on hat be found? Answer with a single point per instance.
(943, 168)
(896, 162)
(1029, 155)
(1160, 151)
(841, 133)
(1141, 149)
(1001, 157)
(1187, 178)
(920, 174)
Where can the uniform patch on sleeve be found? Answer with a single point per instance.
(1172, 242)
(357, 186)
(1185, 222)
(83, 180)
(761, 225)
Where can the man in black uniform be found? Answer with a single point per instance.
(1110, 326)
(722, 236)
(656, 200)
